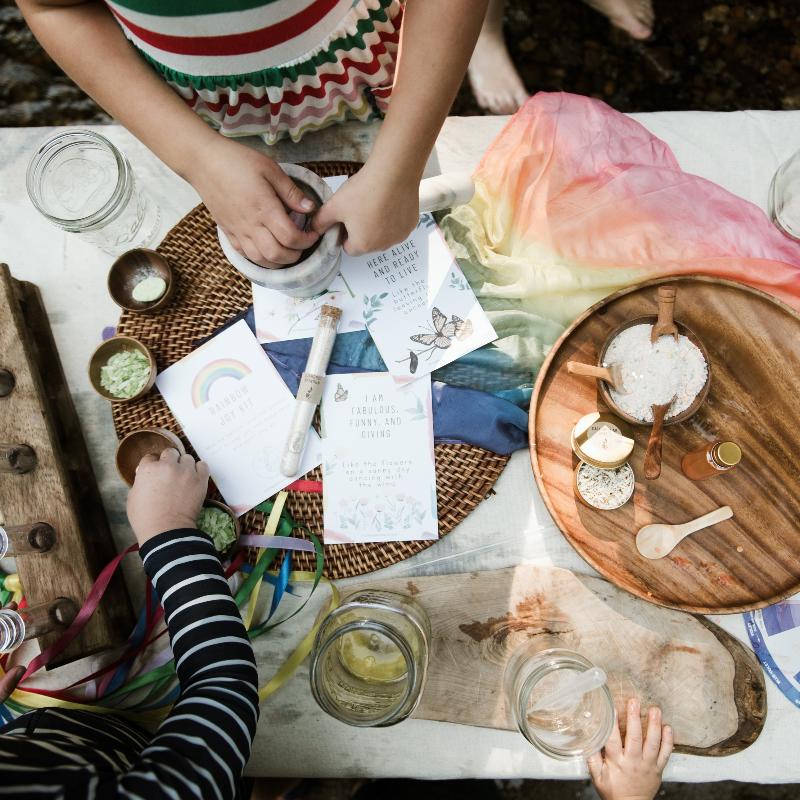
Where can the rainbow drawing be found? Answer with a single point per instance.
(213, 372)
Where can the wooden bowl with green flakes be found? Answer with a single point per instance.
(122, 369)
(221, 524)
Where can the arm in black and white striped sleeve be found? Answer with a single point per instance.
(201, 749)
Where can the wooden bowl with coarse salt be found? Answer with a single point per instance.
(605, 391)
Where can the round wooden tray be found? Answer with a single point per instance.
(748, 562)
(208, 293)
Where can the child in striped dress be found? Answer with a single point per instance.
(276, 68)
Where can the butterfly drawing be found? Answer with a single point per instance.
(341, 393)
(442, 337)
(444, 331)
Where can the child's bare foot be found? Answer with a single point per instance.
(635, 17)
(632, 771)
(495, 81)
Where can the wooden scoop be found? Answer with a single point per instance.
(611, 374)
(665, 324)
(652, 456)
(660, 539)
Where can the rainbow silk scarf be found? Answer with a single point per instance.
(574, 201)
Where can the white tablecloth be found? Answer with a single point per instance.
(739, 150)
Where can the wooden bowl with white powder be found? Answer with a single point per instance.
(629, 345)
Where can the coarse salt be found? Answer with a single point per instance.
(605, 489)
(655, 373)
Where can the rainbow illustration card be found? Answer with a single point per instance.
(378, 467)
(235, 410)
(416, 303)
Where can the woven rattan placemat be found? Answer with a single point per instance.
(209, 292)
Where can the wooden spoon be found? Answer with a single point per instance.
(611, 374)
(665, 324)
(652, 456)
(660, 539)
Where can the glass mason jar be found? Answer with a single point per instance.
(32, 622)
(15, 540)
(370, 659)
(784, 197)
(83, 184)
(573, 729)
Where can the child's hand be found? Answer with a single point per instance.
(168, 493)
(632, 772)
(247, 193)
(377, 211)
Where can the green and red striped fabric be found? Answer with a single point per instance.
(275, 67)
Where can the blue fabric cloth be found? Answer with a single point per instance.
(461, 415)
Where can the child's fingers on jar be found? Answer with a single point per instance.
(595, 765)
(665, 751)
(652, 739)
(613, 747)
(633, 729)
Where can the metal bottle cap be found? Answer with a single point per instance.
(729, 453)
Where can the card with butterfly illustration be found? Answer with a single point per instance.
(417, 305)
(378, 462)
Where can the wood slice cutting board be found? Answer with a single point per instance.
(710, 687)
(748, 562)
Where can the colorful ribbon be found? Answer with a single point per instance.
(112, 686)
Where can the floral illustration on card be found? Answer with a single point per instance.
(426, 222)
(458, 281)
(372, 305)
(398, 513)
(439, 337)
(417, 412)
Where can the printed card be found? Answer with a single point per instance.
(235, 408)
(378, 467)
(417, 304)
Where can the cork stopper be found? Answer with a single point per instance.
(330, 311)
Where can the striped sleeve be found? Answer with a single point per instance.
(201, 749)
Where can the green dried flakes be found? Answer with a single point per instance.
(217, 524)
(125, 374)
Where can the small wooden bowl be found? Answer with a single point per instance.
(686, 413)
(237, 528)
(137, 444)
(135, 266)
(109, 348)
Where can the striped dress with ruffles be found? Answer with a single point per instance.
(272, 68)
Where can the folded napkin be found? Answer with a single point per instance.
(460, 415)
(574, 201)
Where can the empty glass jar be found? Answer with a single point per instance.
(574, 728)
(82, 183)
(784, 197)
(370, 659)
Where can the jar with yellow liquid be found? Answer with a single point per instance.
(370, 659)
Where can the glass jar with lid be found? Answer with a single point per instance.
(370, 659)
(79, 181)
